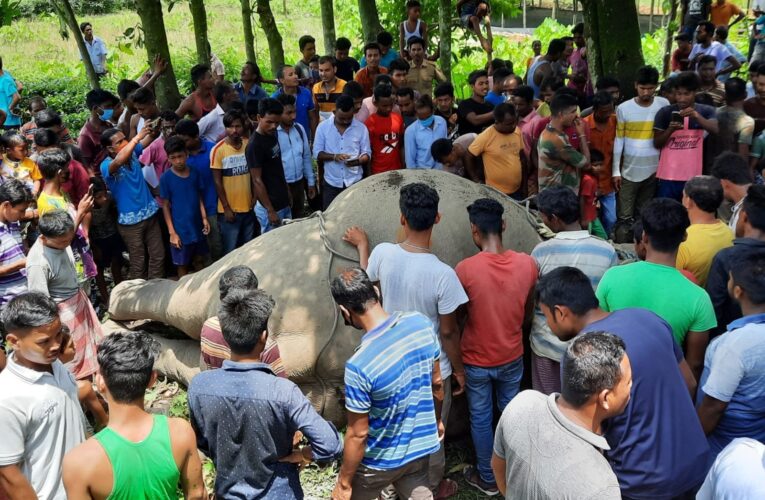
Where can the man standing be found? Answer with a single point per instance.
(710, 88)
(706, 46)
(307, 46)
(423, 72)
(550, 447)
(501, 150)
(500, 286)
(602, 126)
(657, 450)
(542, 68)
(346, 66)
(420, 136)
(559, 162)
(386, 132)
(523, 100)
(366, 75)
(96, 49)
(296, 157)
(735, 177)
(656, 284)
(693, 13)
(265, 162)
(475, 114)
(723, 10)
(9, 99)
(101, 105)
(256, 460)
(393, 387)
(248, 87)
(328, 88)
(736, 127)
(306, 113)
(139, 455)
(342, 143)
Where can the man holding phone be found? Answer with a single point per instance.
(342, 143)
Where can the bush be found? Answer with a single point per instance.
(65, 95)
(32, 8)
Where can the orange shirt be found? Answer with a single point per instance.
(721, 14)
(603, 141)
(366, 80)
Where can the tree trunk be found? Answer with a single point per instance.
(613, 40)
(155, 39)
(555, 8)
(370, 20)
(268, 23)
(650, 17)
(445, 36)
(64, 9)
(199, 18)
(328, 23)
(284, 7)
(671, 25)
(249, 35)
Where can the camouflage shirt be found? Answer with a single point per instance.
(558, 160)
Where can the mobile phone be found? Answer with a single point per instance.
(351, 160)
(676, 118)
(152, 124)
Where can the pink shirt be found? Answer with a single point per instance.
(526, 125)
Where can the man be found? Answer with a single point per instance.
(9, 99)
(265, 162)
(307, 46)
(679, 61)
(755, 106)
(496, 95)
(738, 472)
(386, 133)
(571, 246)
(679, 133)
(445, 108)
(558, 160)
(694, 12)
(710, 88)
(735, 177)
(201, 100)
(405, 100)
(211, 127)
(580, 79)
(723, 10)
(306, 113)
(475, 114)
(346, 66)
(658, 286)
(342, 143)
(550, 447)
(397, 347)
(500, 287)
(501, 150)
(40, 412)
(366, 75)
(721, 35)
(367, 108)
(328, 89)
(657, 450)
(523, 100)
(706, 235)
(732, 397)
(602, 125)
(736, 127)
(101, 105)
(420, 136)
(750, 235)
(706, 46)
(96, 49)
(454, 156)
(542, 68)
(423, 72)
(248, 87)
(258, 459)
(296, 157)
(413, 279)
(145, 103)
(387, 54)
(635, 159)
(139, 454)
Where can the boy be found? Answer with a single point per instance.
(326, 91)
(475, 114)
(413, 26)
(386, 133)
(138, 455)
(15, 199)
(16, 163)
(366, 75)
(680, 55)
(471, 13)
(104, 237)
(346, 66)
(51, 270)
(233, 185)
(35, 382)
(445, 108)
(183, 206)
(307, 46)
(154, 154)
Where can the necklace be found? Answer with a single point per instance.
(426, 249)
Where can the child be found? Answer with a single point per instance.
(39, 408)
(85, 393)
(588, 198)
(183, 206)
(17, 164)
(412, 27)
(313, 67)
(15, 199)
(471, 13)
(154, 153)
(107, 243)
(346, 66)
(51, 270)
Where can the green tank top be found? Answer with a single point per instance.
(144, 470)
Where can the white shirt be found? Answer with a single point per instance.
(716, 49)
(41, 420)
(737, 474)
(211, 125)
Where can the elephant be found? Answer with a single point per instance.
(295, 263)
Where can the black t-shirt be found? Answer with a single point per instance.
(347, 68)
(480, 108)
(263, 152)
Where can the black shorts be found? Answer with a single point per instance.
(106, 249)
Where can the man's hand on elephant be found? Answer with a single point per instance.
(341, 492)
(459, 382)
(356, 237)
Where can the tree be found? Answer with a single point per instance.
(66, 13)
(328, 23)
(274, 38)
(445, 36)
(671, 27)
(249, 36)
(613, 39)
(370, 20)
(199, 18)
(155, 40)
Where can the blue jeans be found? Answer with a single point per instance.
(608, 211)
(670, 189)
(262, 214)
(237, 233)
(485, 387)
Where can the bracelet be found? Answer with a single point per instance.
(334, 157)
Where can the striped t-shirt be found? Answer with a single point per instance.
(389, 377)
(635, 158)
(11, 251)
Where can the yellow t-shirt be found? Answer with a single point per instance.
(701, 246)
(47, 203)
(501, 155)
(25, 170)
(237, 182)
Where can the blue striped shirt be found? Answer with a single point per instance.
(11, 251)
(390, 378)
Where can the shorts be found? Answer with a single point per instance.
(183, 256)
(107, 249)
(465, 20)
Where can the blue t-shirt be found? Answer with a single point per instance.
(494, 98)
(303, 104)
(734, 372)
(385, 60)
(184, 193)
(389, 377)
(131, 193)
(7, 91)
(759, 28)
(658, 448)
(201, 163)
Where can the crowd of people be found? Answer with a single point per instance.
(585, 377)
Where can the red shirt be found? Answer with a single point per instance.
(79, 182)
(603, 141)
(386, 137)
(89, 143)
(497, 286)
(588, 188)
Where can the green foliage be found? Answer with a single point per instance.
(179, 406)
(65, 94)
(33, 8)
(9, 10)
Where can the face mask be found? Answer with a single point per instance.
(106, 114)
(427, 122)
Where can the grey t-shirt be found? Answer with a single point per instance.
(550, 457)
(416, 282)
(51, 271)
